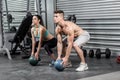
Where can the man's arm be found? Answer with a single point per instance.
(59, 41)
(70, 39)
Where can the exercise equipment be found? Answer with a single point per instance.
(91, 53)
(10, 18)
(2, 46)
(33, 61)
(84, 52)
(8, 15)
(72, 18)
(13, 29)
(107, 53)
(20, 35)
(58, 65)
(118, 59)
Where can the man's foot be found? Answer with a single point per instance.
(82, 67)
(69, 64)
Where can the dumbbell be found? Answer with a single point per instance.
(84, 52)
(91, 53)
(107, 53)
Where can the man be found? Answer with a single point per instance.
(76, 37)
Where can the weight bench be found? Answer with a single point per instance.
(20, 35)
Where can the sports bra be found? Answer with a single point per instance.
(37, 34)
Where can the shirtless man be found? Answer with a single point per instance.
(76, 37)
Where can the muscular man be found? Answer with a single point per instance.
(76, 37)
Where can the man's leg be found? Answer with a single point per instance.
(82, 39)
(80, 52)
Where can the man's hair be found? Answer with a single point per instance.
(59, 11)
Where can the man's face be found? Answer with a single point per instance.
(57, 17)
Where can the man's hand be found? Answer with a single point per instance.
(65, 61)
(58, 58)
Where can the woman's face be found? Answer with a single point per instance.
(35, 20)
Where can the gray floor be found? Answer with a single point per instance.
(20, 69)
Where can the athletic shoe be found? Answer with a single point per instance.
(82, 67)
(69, 64)
(52, 63)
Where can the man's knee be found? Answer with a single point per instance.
(76, 45)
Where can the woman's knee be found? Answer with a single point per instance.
(49, 51)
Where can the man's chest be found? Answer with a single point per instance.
(65, 31)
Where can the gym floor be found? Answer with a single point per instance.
(20, 69)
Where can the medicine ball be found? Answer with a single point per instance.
(58, 65)
(33, 61)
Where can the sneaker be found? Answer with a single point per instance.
(69, 64)
(82, 67)
(52, 63)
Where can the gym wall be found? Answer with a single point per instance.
(101, 18)
(0, 23)
(18, 9)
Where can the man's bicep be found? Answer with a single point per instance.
(58, 30)
(70, 37)
(59, 37)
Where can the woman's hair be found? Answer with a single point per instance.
(40, 18)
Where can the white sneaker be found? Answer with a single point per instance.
(82, 67)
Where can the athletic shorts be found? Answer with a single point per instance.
(82, 39)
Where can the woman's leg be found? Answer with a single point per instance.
(48, 47)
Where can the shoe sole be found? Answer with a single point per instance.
(82, 70)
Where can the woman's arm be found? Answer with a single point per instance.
(40, 40)
(33, 42)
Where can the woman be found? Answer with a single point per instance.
(41, 38)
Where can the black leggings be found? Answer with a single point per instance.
(48, 45)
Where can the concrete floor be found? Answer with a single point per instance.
(20, 69)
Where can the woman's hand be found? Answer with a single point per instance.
(37, 55)
(32, 54)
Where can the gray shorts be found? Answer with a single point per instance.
(82, 39)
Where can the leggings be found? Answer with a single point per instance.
(48, 45)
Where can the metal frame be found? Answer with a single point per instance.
(3, 48)
(7, 14)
